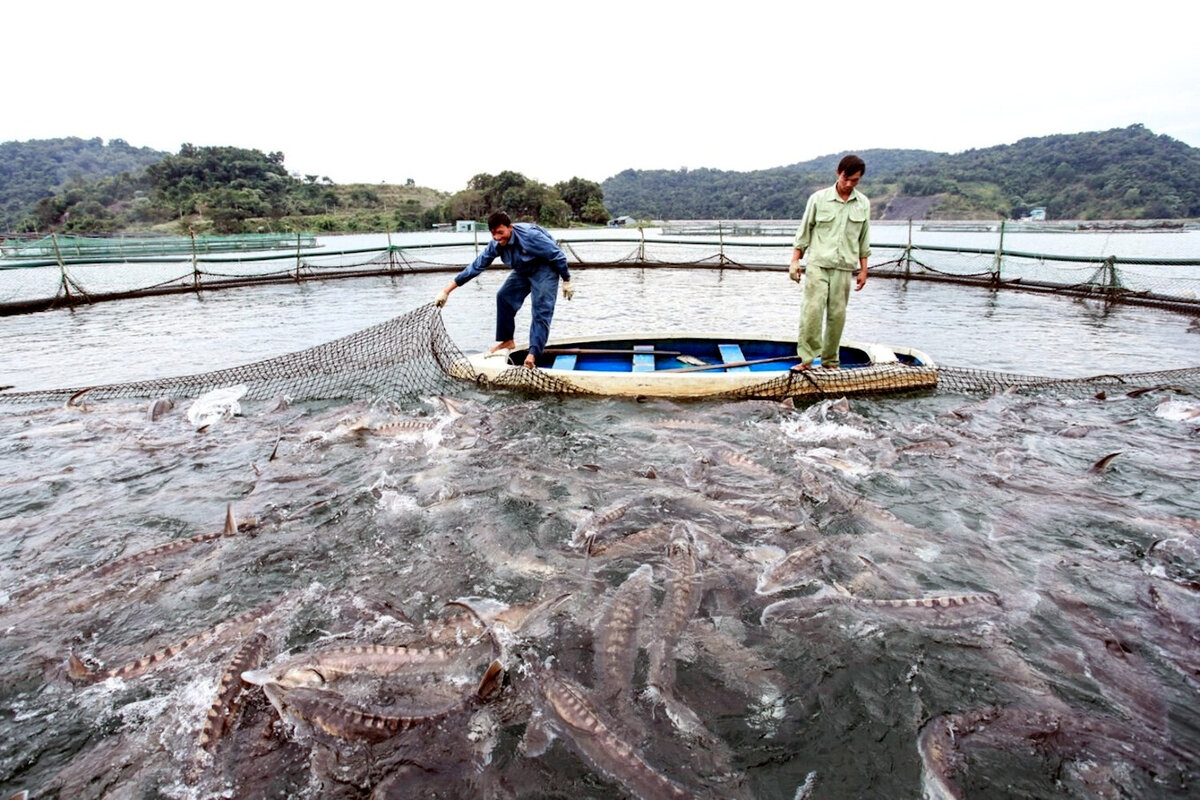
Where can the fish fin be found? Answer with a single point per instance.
(492, 683)
(231, 526)
(1103, 463)
(73, 400)
(77, 669)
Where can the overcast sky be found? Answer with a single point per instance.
(440, 91)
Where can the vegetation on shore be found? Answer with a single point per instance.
(1124, 173)
(86, 186)
(235, 190)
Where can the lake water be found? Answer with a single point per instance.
(788, 630)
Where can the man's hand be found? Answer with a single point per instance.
(441, 298)
(568, 290)
(862, 280)
(795, 271)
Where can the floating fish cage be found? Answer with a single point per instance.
(76, 247)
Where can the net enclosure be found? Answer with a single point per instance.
(65, 280)
(412, 354)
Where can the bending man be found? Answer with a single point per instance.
(537, 263)
(836, 235)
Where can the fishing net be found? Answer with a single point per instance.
(412, 354)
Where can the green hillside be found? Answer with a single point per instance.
(1124, 173)
(86, 186)
(39, 168)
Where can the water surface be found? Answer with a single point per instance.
(1077, 515)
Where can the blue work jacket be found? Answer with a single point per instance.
(529, 249)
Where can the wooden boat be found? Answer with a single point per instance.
(700, 365)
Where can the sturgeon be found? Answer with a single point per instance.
(931, 609)
(617, 640)
(223, 712)
(231, 528)
(329, 712)
(315, 670)
(79, 671)
(581, 722)
(589, 527)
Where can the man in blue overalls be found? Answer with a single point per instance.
(537, 263)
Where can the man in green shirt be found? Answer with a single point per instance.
(836, 235)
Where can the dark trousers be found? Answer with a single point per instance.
(543, 285)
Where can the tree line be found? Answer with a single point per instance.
(31, 171)
(1124, 173)
(85, 186)
(233, 190)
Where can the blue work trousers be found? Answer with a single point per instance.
(543, 284)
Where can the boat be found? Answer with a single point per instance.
(683, 365)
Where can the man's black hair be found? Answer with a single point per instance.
(852, 165)
(497, 219)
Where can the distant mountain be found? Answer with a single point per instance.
(39, 168)
(1124, 173)
(776, 193)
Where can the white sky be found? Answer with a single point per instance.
(440, 91)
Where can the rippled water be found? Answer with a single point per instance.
(1085, 673)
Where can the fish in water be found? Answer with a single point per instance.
(160, 407)
(589, 527)
(568, 709)
(76, 400)
(329, 712)
(930, 609)
(223, 713)
(135, 559)
(617, 640)
(1102, 465)
(317, 669)
(79, 671)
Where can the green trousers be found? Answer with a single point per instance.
(825, 294)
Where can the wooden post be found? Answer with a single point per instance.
(64, 285)
(908, 250)
(195, 265)
(999, 257)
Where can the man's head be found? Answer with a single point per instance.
(850, 171)
(500, 225)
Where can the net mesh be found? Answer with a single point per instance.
(25, 286)
(412, 354)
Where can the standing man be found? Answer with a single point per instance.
(537, 263)
(836, 235)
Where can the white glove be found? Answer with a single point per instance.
(795, 271)
(568, 290)
(441, 298)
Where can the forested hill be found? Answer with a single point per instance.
(1124, 173)
(35, 169)
(776, 193)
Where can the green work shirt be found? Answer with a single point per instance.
(835, 233)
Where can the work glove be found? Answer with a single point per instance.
(441, 298)
(568, 290)
(795, 271)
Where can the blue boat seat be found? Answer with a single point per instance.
(565, 361)
(731, 354)
(643, 358)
